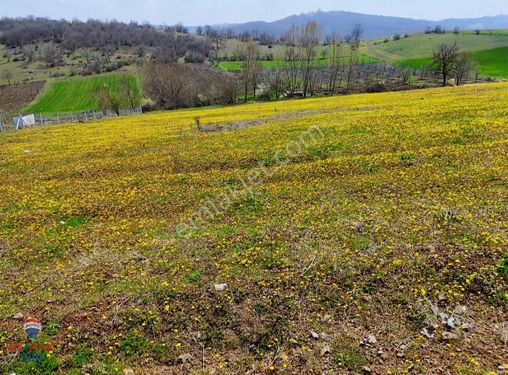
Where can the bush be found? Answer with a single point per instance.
(148, 105)
(351, 359)
(133, 344)
(376, 87)
(194, 57)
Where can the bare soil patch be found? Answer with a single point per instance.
(14, 98)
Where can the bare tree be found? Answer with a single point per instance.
(107, 99)
(275, 80)
(229, 33)
(107, 51)
(463, 69)
(309, 41)
(8, 55)
(186, 85)
(353, 40)
(445, 61)
(128, 92)
(164, 83)
(355, 37)
(335, 53)
(52, 55)
(251, 66)
(217, 39)
(7, 75)
(29, 52)
(291, 56)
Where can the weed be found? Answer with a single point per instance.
(133, 345)
(351, 358)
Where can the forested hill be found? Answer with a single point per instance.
(375, 26)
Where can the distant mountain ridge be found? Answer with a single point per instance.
(374, 26)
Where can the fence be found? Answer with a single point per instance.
(41, 119)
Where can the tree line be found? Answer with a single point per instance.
(49, 40)
(308, 64)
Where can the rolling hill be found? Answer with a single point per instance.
(374, 26)
(423, 45)
(492, 62)
(488, 50)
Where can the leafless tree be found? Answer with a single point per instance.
(107, 51)
(164, 83)
(309, 41)
(127, 91)
(463, 68)
(445, 61)
(7, 55)
(251, 66)
(353, 40)
(51, 54)
(355, 37)
(7, 75)
(29, 52)
(229, 33)
(291, 57)
(275, 80)
(165, 55)
(335, 53)
(107, 99)
(186, 85)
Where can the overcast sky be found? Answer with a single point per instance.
(197, 12)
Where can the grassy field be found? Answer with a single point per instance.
(77, 94)
(277, 54)
(492, 62)
(489, 50)
(237, 65)
(423, 45)
(278, 244)
(488, 32)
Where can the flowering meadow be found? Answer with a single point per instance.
(372, 239)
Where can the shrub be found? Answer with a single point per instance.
(194, 57)
(133, 344)
(351, 358)
(376, 87)
(148, 105)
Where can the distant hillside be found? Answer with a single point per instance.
(423, 45)
(374, 26)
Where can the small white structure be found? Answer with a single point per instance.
(22, 121)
